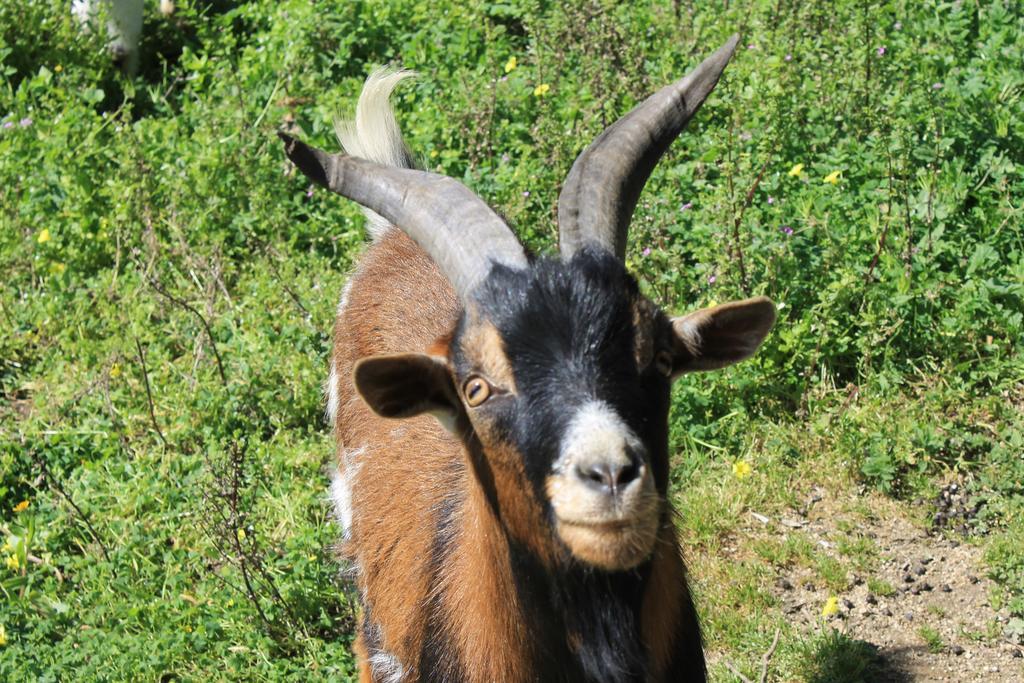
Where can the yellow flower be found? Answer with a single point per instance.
(741, 469)
(22, 506)
(58, 68)
(115, 370)
(241, 534)
(833, 177)
(44, 236)
(3, 635)
(57, 268)
(541, 90)
(831, 607)
(511, 64)
(7, 547)
(12, 563)
(796, 170)
(433, 153)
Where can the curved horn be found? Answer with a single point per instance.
(456, 228)
(604, 184)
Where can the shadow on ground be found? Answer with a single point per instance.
(838, 658)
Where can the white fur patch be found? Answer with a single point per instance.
(342, 483)
(595, 427)
(343, 301)
(331, 394)
(386, 667)
(124, 25)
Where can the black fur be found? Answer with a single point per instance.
(569, 334)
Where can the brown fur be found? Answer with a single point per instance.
(660, 614)
(400, 302)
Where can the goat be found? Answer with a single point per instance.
(514, 525)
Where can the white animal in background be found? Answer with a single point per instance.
(123, 20)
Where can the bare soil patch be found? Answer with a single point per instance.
(938, 624)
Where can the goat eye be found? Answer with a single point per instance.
(477, 391)
(663, 363)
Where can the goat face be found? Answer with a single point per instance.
(560, 373)
(557, 375)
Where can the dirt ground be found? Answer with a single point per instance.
(939, 584)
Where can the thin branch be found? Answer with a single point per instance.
(56, 486)
(885, 230)
(767, 657)
(737, 674)
(206, 326)
(149, 394)
(747, 201)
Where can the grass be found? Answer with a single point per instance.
(170, 284)
(931, 639)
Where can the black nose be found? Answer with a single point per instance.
(609, 475)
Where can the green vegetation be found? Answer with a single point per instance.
(931, 639)
(169, 285)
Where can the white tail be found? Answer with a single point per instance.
(375, 135)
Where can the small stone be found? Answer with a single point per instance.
(1017, 654)
(784, 584)
(915, 590)
(926, 586)
(871, 599)
(926, 560)
(887, 612)
(972, 579)
(957, 650)
(847, 604)
(920, 570)
(909, 616)
(946, 588)
(908, 578)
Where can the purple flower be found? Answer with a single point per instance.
(751, 46)
(786, 230)
(936, 86)
(526, 193)
(647, 251)
(771, 200)
(309, 192)
(25, 122)
(8, 124)
(686, 207)
(897, 26)
(788, 57)
(711, 279)
(880, 50)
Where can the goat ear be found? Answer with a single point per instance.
(406, 384)
(715, 337)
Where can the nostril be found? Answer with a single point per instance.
(628, 472)
(599, 474)
(610, 476)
